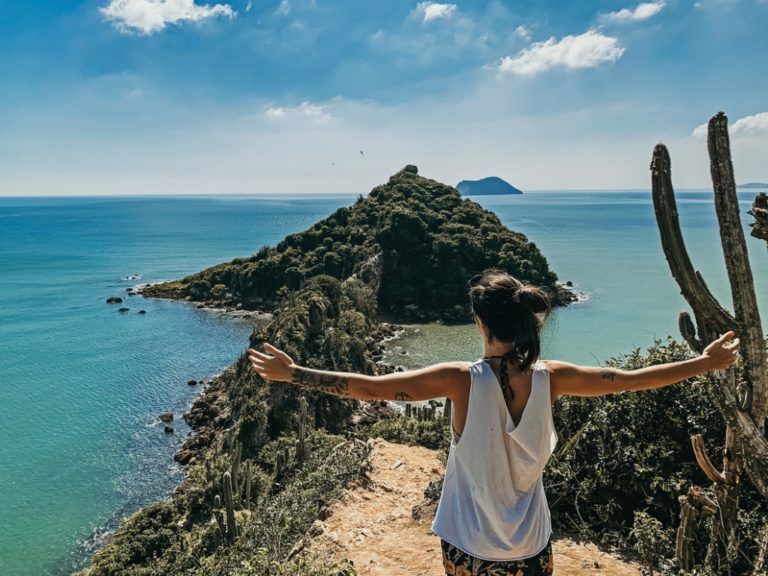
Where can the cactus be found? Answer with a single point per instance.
(302, 448)
(447, 410)
(408, 410)
(226, 481)
(283, 460)
(237, 454)
(217, 539)
(740, 393)
(220, 528)
(247, 502)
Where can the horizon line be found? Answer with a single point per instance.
(332, 194)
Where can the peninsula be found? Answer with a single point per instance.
(415, 240)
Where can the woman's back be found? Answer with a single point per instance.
(493, 504)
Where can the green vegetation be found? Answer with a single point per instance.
(166, 538)
(629, 453)
(623, 461)
(432, 433)
(420, 238)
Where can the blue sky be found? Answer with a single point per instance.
(266, 96)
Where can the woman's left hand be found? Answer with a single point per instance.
(277, 367)
(720, 356)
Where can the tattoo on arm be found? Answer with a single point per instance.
(404, 396)
(608, 375)
(322, 381)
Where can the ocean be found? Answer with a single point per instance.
(82, 385)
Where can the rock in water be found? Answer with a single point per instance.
(114, 300)
(491, 186)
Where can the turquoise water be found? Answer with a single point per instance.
(81, 385)
(607, 244)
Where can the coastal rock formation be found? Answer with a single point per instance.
(114, 300)
(491, 186)
(419, 237)
(760, 213)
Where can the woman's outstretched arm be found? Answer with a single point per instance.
(444, 380)
(569, 379)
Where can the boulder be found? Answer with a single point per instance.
(114, 300)
(166, 417)
(123, 309)
(168, 429)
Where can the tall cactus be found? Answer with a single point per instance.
(229, 503)
(237, 454)
(741, 398)
(220, 530)
(247, 503)
(302, 447)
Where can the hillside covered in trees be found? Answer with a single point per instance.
(419, 237)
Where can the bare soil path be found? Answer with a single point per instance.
(374, 528)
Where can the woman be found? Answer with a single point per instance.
(493, 516)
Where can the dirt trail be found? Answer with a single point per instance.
(373, 527)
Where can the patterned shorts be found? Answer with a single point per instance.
(458, 563)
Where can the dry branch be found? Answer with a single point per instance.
(705, 463)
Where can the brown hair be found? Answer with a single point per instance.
(513, 312)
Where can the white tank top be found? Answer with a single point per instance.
(493, 504)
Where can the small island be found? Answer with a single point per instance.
(753, 186)
(491, 186)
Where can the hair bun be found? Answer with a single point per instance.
(533, 298)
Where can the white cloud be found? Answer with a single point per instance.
(523, 32)
(433, 11)
(275, 113)
(586, 50)
(700, 131)
(284, 9)
(316, 113)
(249, 6)
(755, 125)
(150, 16)
(643, 11)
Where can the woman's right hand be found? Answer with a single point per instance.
(278, 367)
